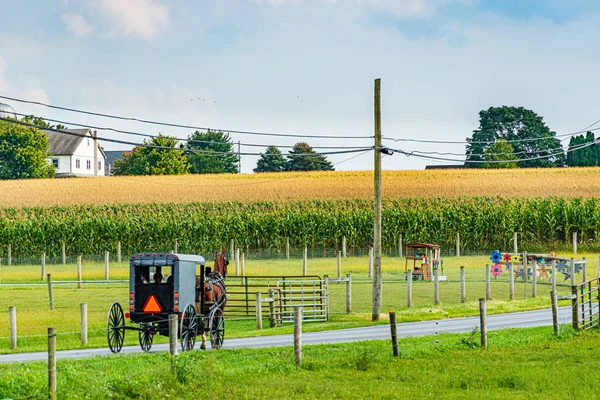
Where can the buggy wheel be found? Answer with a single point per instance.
(146, 335)
(115, 328)
(217, 328)
(188, 328)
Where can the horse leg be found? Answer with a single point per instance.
(203, 345)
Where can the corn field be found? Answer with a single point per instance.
(484, 224)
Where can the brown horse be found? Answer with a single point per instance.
(215, 295)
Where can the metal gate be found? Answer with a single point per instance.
(587, 304)
(308, 293)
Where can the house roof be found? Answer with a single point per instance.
(62, 144)
(113, 155)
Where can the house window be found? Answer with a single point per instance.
(77, 163)
(88, 164)
(55, 162)
(99, 165)
(88, 142)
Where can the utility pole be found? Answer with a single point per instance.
(239, 158)
(377, 195)
(95, 135)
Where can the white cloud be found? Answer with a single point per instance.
(147, 19)
(77, 24)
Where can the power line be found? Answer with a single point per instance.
(174, 125)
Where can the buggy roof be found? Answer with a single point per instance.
(162, 259)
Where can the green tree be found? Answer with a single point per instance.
(303, 158)
(532, 141)
(211, 152)
(40, 122)
(160, 156)
(499, 154)
(23, 152)
(584, 156)
(271, 161)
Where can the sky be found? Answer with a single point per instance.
(304, 67)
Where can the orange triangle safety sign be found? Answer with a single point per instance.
(152, 306)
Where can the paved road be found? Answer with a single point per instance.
(453, 325)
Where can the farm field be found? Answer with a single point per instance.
(562, 182)
(34, 316)
(518, 364)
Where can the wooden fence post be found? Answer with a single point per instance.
(64, 253)
(511, 282)
(463, 285)
(326, 287)
(409, 281)
(287, 248)
(554, 276)
(237, 261)
(43, 265)
(436, 288)
(9, 256)
(457, 244)
(298, 335)
(483, 323)
(400, 246)
(304, 261)
(119, 251)
(370, 262)
(525, 274)
(52, 363)
(574, 242)
(106, 264)
(572, 271)
(344, 246)
(339, 265)
(348, 294)
(173, 334)
(84, 324)
(584, 270)
(12, 315)
(50, 297)
(79, 272)
(394, 332)
(258, 311)
(554, 312)
(488, 289)
(575, 308)
(243, 264)
(175, 247)
(534, 280)
(272, 308)
(515, 243)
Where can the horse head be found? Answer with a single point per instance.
(221, 262)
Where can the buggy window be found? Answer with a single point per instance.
(154, 274)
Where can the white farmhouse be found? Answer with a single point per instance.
(73, 153)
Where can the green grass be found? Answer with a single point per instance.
(34, 316)
(519, 364)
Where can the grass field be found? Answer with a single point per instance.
(34, 316)
(519, 364)
(562, 182)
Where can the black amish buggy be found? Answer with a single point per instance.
(161, 284)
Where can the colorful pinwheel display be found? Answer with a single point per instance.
(496, 256)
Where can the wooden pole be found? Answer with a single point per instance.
(463, 285)
(436, 288)
(534, 280)
(243, 264)
(339, 265)
(584, 270)
(50, 297)
(232, 248)
(394, 332)
(258, 311)
(515, 243)
(554, 312)
(574, 242)
(78, 272)
(525, 274)
(400, 246)
(376, 308)
(287, 248)
(298, 335)
(173, 334)
(572, 271)
(119, 251)
(272, 308)
(43, 266)
(409, 280)
(457, 244)
(84, 324)
(9, 256)
(554, 276)
(511, 282)
(106, 264)
(483, 323)
(237, 261)
(344, 246)
(64, 253)
(488, 289)
(370, 262)
(304, 261)
(348, 293)
(52, 363)
(176, 247)
(12, 313)
(575, 308)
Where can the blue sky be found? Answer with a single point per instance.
(305, 66)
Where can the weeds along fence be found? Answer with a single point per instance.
(266, 228)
